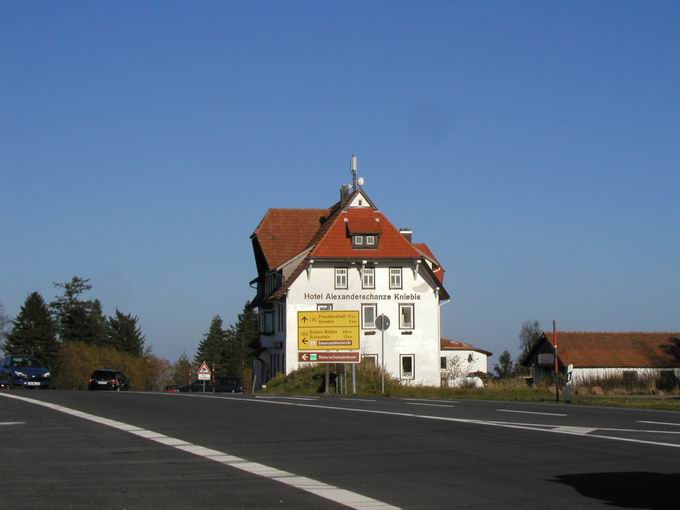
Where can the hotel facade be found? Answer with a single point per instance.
(348, 257)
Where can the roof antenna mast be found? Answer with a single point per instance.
(353, 169)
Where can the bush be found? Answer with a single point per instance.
(312, 378)
(77, 360)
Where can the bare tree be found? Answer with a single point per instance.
(458, 373)
(529, 334)
(5, 322)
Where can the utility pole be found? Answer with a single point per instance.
(557, 368)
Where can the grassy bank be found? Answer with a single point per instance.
(311, 381)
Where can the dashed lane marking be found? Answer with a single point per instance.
(12, 423)
(287, 398)
(528, 412)
(428, 404)
(430, 400)
(555, 429)
(321, 489)
(659, 423)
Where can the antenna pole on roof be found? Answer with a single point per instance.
(353, 169)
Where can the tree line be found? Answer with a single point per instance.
(41, 328)
(529, 334)
(73, 336)
(228, 351)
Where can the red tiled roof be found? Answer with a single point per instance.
(611, 350)
(284, 233)
(336, 244)
(455, 345)
(438, 270)
(363, 224)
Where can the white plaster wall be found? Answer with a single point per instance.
(583, 375)
(479, 361)
(424, 340)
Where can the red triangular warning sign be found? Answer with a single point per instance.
(204, 369)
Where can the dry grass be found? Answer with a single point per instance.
(310, 381)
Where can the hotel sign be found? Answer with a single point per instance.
(328, 330)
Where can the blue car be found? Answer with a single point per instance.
(24, 372)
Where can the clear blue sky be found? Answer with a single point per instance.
(534, 145)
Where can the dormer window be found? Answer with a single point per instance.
(364, 241)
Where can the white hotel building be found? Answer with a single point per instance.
(348, 257)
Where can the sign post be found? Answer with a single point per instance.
(382, 322)
(204, 374)
(332, 335)
(557, 370)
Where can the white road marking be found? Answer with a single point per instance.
(555, 429)
(359, 399)
(430, 400)
(288, 398)
(582, 431)
(428, 404)
(321, 489)
(12, 423)
(659, 423)
(528, 412)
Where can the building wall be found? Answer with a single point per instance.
(318, 287)
(585, 375)
(462, 363)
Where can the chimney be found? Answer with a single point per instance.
(344, 192)
(407, 233)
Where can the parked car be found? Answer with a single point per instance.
(108, 379)
(229, 385)
(24, 372)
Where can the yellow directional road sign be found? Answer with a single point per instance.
(328, 330)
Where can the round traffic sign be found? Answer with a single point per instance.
(382, 322)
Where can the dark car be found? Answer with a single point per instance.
(229, 385)
(24, 372)
(108, 379)
(221, 385)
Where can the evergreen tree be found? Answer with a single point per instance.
(213, 347)
(97, 331)
(244, 335)
(181, 370)
(504, 368)
(34, 332)
(79, 320)
(124, 334)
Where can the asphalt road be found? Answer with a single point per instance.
(145, 450)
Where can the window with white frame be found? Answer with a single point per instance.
(324, 306)
(395, 278)
(406, 319)
(368, 315)
(358, 240)
(340, 277)
(370, 240)
(368, 278)
(407, 366)
(370, 359)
